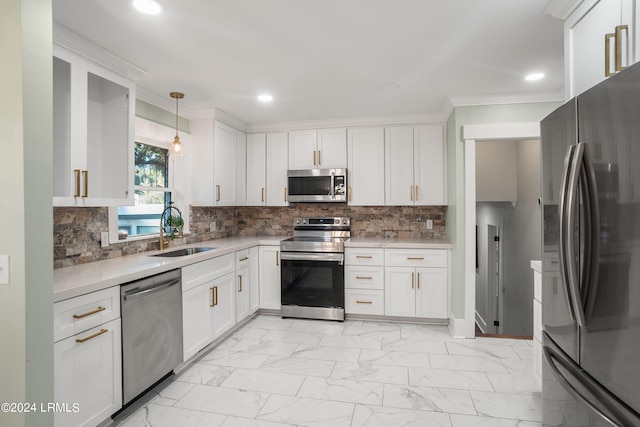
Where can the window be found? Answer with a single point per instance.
(152, 191)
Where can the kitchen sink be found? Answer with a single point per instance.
(183, 252)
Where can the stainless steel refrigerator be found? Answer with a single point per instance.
(591, 259)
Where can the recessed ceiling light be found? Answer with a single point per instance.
(534, 76)
(265, 97)
(149, 7)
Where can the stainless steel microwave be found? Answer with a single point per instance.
(317, 185)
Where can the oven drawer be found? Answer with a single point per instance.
(363, 256)
(416, 257)
(364, 277)
(364, 302)
(76, 315)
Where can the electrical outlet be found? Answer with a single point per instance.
(4, 269)
(212, 226)
(104, 239)
(429, 224)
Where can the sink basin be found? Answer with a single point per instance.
(183, 252)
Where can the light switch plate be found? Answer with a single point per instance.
(4, 269)
(104, 239)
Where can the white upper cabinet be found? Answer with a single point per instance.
(277, 155)
(415, 160)
(219, 166)
(318, 149)
(256, 169)
(93, 136)
(600, 39)
(366, 166)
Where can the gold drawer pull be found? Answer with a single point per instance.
(364, 256)
(364, 277)
(97, 334)
(364, 302)
(415, 258)
(97, 310)
(243, 258)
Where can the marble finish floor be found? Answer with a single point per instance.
(289, 372)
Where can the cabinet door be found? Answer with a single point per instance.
(429, 165)
(224, 164)
(202, 190)
(241, 169)
(254, 279)
(585, 32)
(197, 321)
(277, 165)
(332, 148)
(256, 169)
(398, 147)
(270, 277)
(89, 373)
(302, 149)
(365, 148)
(223, 312)
(243, 294)
(431, 293)
(400, 291)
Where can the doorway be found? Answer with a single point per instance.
(494, 279)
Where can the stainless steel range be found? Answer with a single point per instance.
(312, 268)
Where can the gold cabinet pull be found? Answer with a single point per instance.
(607, 54)
(619, 30)
(418, 280)
(240, 280)
(364, 277)
(364, 302)
(217, 193)
(413, 280)
(411, 193)
(277, 257)
(364, 256)
(420, 258)
(85, 175)
(97, 334)
(97, 310)
(314, 157)
(262, 194)
(77, 174)
(417, 198)
(349, 190)
(285, 194)
(214, 296)
(244, 258)
(319, 161)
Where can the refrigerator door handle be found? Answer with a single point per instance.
(571, 259)
(606, 410)
(563, 216)
(592, 236)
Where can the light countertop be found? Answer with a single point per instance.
(81, 279)
(392, 243)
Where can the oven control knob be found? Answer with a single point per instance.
(298, 220)
(304, 221)
(344, 221)
(337, 221)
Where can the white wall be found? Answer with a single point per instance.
(26, 303)
(496, 179)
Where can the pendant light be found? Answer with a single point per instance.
(176, 147)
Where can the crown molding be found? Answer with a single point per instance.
(561, 9)
(468, 101)
(64, 37)
(165, 103)
(221, 116)
(404, 119)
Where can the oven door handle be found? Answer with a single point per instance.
(312, 256)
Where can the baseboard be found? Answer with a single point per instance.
(461, 328)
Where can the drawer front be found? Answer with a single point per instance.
(364, 277)
(364, 302)
(365, 256)
(551, 261)
(202, 272)
(242, 259)
(76, 315)
(416, 257)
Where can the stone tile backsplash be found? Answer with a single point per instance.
(76, 231)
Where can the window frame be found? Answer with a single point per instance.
(113, 210)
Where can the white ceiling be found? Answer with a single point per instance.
(329, 59)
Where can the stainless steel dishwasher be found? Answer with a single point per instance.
(151, 331)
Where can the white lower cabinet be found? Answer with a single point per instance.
(416, 283)
(88, 364)
(270, 277)
(208, 302)
(364, 281)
